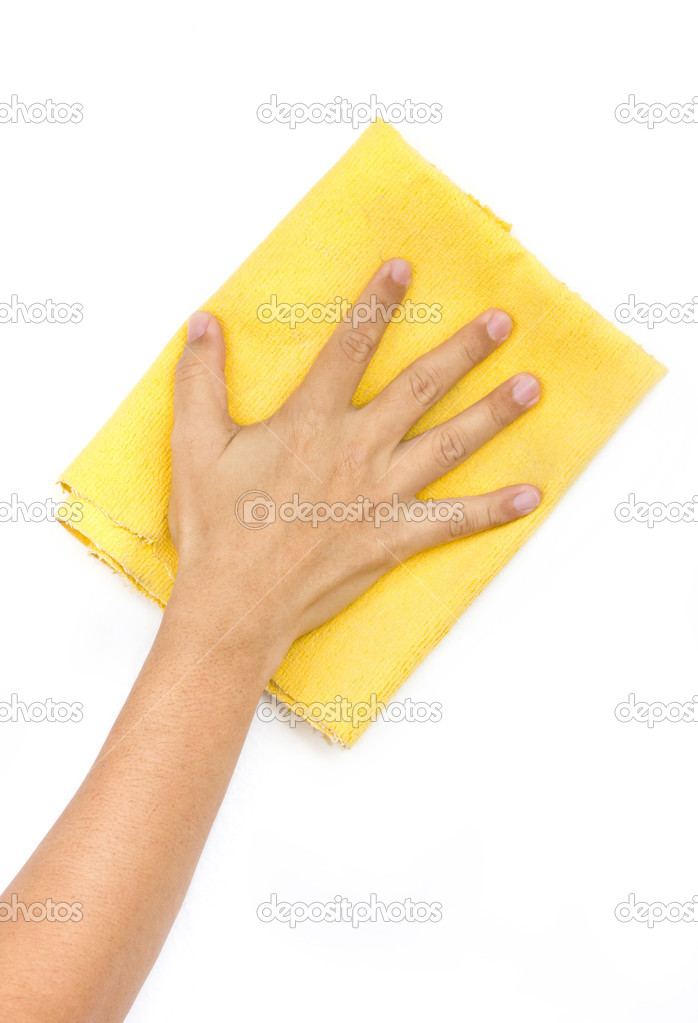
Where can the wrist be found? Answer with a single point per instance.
(219, 613)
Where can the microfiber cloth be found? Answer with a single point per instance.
(381, 199)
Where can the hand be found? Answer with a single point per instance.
(317, 445)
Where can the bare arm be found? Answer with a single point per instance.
(123, 852)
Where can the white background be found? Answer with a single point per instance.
(528, 810)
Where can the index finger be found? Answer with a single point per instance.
(341, 363)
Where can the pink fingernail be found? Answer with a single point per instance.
(499, 325)
(401, 271)
(526, 501)
(526, 389)
(198, 325)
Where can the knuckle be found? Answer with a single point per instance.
(349, 464)
(184, 437)
(492, 515)
(356, 345)
(469, 356)
(476, 520)
(450, 447)
(189, 366)
(475, 344)
(304, 426)
(355, 458)
(425, 385)
(499, 413)
(462, 526)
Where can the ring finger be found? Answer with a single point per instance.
(428, 456)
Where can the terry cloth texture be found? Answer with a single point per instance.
(381, 199)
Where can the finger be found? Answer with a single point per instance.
(429, 378)
(200, 391)
(455, 518)
(341, 363)
(428, 456)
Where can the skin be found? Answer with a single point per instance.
(126, 846)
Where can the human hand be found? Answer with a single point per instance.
(298, 574)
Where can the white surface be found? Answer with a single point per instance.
(528, 810)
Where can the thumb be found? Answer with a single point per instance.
(200, 392)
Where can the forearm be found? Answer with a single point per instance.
(127, 845)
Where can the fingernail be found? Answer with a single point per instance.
(499, 325)
(198, 325)
(526, 501)
(526, 389)
(400, 271)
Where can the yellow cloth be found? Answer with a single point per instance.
(381, 199)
